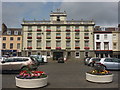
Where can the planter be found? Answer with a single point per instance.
(31, 83)
(99, 78)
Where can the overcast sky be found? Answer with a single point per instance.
(103, 13)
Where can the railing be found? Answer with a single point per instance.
(58, 22)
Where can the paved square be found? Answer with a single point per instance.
(70, 74)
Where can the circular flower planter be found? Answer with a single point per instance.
(99, 78)
(31, 83)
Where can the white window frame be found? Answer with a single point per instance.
(8, 32)
(105, 36)
(114, 36)
(38, 45)
(97, 38)
(15, 32)
(76, 54)
(85, 54)
(49, 56)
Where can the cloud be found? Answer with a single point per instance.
(104, 13)
(60, 0)
(13, 13)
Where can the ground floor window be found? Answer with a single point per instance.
(106, 55)
(86, 54)
(38, 53)
(48, 54)
(77, 54)
(97, 54)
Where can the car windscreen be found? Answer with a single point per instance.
(96, 59)
(20, 59)
(9, 60)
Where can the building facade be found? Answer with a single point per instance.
(0, 43)
(116, 42)
(11, 41)
(58, 37)
(103, 41)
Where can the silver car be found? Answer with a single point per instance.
(2, 59)
(16, 63)
(110, 63)
(86, 60)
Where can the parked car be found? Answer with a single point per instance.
(60, 60)
(110, 63)
(86, 60)
(2, 58)
(17, 63)
(92, 61)
(44, 57)
(37, 58)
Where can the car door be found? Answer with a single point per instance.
(6, 65)
(116, 63)
(16, 64)
(108, 62)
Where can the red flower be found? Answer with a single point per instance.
(86, 48)
(77, 30)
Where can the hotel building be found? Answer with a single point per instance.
(58, 37)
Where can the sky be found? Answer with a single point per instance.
(103, 13)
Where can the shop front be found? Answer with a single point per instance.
(103, 53)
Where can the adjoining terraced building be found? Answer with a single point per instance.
(11, 41)
(116, 42)
(58, 37)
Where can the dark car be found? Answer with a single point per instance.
(61, 60)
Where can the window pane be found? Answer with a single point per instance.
(29, 44)
(29, 34)
(77, 43)
(18, 45)
(58, 44)
(86, 43)
(97, 37)
(29, 28)
(48, 44)
(11, 45)
(38, 34)
(38, 44)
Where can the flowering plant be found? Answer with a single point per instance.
(99, 70)
(29, 73)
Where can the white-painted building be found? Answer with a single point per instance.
(103, 44)
(58, 37)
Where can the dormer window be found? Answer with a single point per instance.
(15, 32)
(9, 32)
(58, 18)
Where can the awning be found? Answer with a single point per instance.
(9, 50)
(103, 52)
